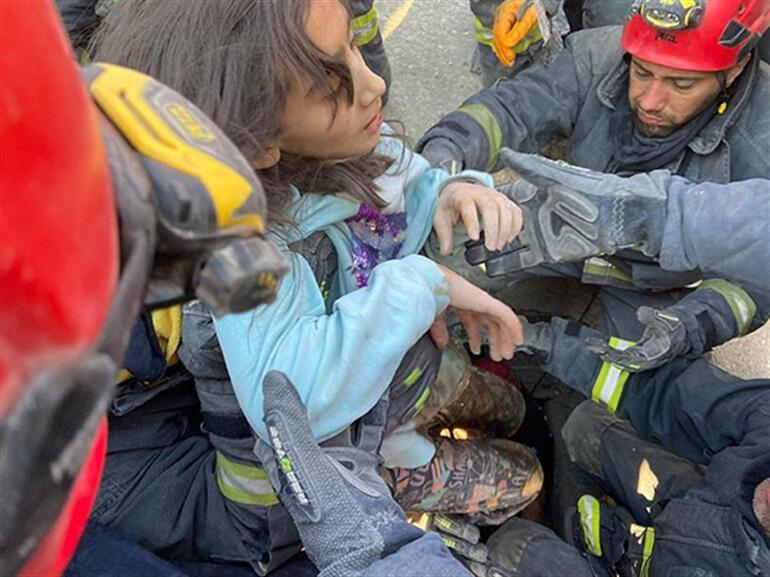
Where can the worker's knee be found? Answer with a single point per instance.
(583, 432)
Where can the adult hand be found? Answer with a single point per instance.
(476, 308)
(664, 338)
(572, 213)
(515, 29)
(467, 202)
(344, 513)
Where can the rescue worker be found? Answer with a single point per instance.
(574, 213)
(653, 101)
(513, 34)
(691, 471)
(661, 214)
(683, 451)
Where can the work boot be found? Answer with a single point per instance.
(488, 480)
(611, 536)
(490, 405)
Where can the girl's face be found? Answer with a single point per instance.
(309, 125)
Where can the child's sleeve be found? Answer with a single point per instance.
(340, 363)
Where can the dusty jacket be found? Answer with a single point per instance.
(577, 95)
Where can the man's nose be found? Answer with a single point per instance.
(653, 98)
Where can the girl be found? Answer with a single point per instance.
(351, 211)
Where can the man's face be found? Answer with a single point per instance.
(663, 99)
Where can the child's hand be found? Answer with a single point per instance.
(475, 308)
(466, 201)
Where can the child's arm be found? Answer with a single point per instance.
(341, 363)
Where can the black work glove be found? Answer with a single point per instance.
(664, 338)
(462, 539)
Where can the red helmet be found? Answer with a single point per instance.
(700, 35)
(59, 263)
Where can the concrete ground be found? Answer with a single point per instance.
(430, 46)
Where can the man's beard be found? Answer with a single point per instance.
(654, 131)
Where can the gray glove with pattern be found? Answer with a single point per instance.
(571, 213)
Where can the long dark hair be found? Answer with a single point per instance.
(236, 60)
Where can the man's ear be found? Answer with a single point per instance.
(732, 73)
(269, 157)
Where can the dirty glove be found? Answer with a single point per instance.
(700, 321)
(610, 536)
(572, 213)
(664, 339)
(515, 30)
(342, 509)
(443, 153)
(462, 539)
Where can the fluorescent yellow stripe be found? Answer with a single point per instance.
(599, 267)
(488, 122)
(365, 27)
(741, 304)
(246, 497)
(413, 376)
(609, 384)
(245, 484)
(360, 22)
(621, 344)
(421, 401)
(239, 469)
(596, 392)
(649, 543)
(483, 34)
(589, 510)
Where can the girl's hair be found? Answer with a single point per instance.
(236, 60)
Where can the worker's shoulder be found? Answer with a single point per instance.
(598, 49)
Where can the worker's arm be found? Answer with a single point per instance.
(521, 113)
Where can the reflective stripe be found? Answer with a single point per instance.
(365, 27)
(602, 269)
(608, 387)
(244, 484)
(589, 510)
(420, 404)
(743, 306)
(488, 122)
(483, 34)
(649, 543)
(413, 376)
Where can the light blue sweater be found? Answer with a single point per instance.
(342, 363)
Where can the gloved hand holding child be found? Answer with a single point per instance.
(572, 213)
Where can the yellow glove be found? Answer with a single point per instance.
(515, 29)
